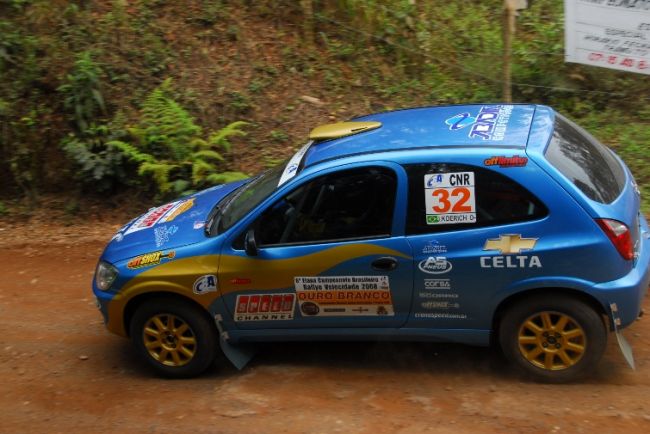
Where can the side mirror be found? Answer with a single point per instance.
(250, 246)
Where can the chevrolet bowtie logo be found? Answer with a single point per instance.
(510, 244)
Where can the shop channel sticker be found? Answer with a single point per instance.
(450, 198)
(264, 307)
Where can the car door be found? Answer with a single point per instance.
(474, 232)
(327, 255)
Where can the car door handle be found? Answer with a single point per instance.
(387, 263)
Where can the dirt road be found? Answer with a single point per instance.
(61, 371)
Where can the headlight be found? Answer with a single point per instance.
(105, 275)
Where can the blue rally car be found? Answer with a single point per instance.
(475, 224)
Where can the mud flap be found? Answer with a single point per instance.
(239, 355)
(623, 344)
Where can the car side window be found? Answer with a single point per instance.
(447, 197)
(350, 204)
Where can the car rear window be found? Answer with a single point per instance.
(587, 163)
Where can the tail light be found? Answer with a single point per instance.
(619, 235)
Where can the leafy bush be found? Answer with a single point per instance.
(81, 93)
(169, 147)
(100, 165)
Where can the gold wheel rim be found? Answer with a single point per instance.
(552, 340)
(169, 340)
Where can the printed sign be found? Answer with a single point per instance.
(149, 259)
(162, 234)
(205, 284)
(434, 246)
(264, 307)
(509, 245)
(608, 33)
(435, 265)
(503, 161)
(177, 210)
(428, 295)
(344, 296)
(291, 168)
(439, 305)
(491, 122)
(437, 284)
(450, 198)
(162, 214)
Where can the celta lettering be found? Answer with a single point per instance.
(510, 262)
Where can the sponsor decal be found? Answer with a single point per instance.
(439, 305)
(205, 284)
(344, 295)
(177, 210)
(240, 281)
(440, 315)
(198, 225)
(435, 265)
(434, 247)
(163, 214)
(150, 218)
(149, 259)
(509, 245)
(461, 120)
(437, 284)
(427, 295)
(265, 307)
(292, 166)
(162, 234)
(491, 122)
(502, 161)
(449, 198)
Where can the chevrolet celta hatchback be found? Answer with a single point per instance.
(471, 224)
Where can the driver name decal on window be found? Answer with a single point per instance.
(344, 296)
(450, 198)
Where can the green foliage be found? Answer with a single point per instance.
(81, 91)
(99, 165)
(248, 59)
(239, 102)
(279, 136)
(3, 209)
(169, 148)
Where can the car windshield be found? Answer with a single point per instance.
(248, 197)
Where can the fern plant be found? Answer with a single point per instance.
(169, 147)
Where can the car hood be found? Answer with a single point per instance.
(168, 226)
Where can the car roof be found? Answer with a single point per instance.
(474, 125)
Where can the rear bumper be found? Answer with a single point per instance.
(629, 291)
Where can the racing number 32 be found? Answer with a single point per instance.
(454, 200)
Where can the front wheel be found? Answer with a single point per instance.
(174, 337)
(553, 338)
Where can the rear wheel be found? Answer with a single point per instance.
(174, 337)
(553, 338)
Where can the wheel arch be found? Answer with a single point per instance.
(137, 301)
(513, 299)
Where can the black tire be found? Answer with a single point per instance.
(568, 350)
(199, 338)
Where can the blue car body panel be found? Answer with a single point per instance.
(457, 304)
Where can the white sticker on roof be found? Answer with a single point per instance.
(292, 166)
(491, 122)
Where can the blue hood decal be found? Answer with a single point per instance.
(171, 225)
